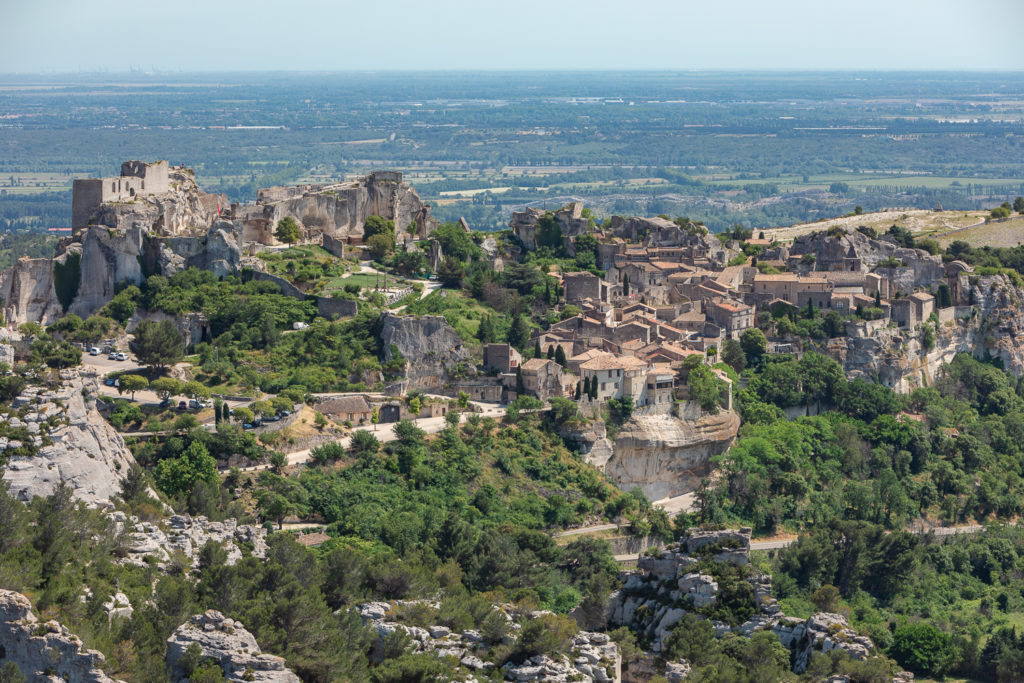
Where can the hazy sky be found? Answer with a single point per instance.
(219, 35)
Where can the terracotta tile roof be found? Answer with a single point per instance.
(588, 355)
(536, 364)
(611, 362)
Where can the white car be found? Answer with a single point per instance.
(122, 356)
(94, 351)
(112, 356)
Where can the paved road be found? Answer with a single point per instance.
(386, 432)
(587, 530)
(779, 543)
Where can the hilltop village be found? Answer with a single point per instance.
(326, 426)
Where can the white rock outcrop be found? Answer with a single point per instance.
(86, 452)
(44, 652)
(234, 648)
(590, 657)
(666, 456)
(188, 535)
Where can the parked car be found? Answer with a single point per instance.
(284, 413)
(122, 356)
(112, 356)
(166, 403)
(94, 351)
(182, 405)
(110, 382)
(246, 426)
(299, 325)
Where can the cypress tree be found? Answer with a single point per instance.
(579, 391)
(551, 352)
(536, 349)
(560, 355)
(520, 386)
(625, 284)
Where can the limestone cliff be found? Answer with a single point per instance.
(431, 348)
(855, 251)
(338, 210)
(666, 456)
(27, 293)
(44, 652)
(183, 227)
(994, 324)
(84, 450)
(184, 209)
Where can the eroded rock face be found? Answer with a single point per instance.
(183, 209)
(226, 641)
(665, 587)
(340, 210)
(27, 294)
(822, 632)
(430, 346)
(108, 256)
(856, 251)
(44, 652)
(188, 535)
(86, 453)
(666, 456)
(590, 657)
(896, 357)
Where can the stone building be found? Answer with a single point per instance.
(583, 285)
(545, 378)
(137, 179)
(354, 409)
(501, 357)
(732, 316)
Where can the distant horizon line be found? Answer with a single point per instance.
(366, 71)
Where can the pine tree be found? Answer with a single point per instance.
(485, 333)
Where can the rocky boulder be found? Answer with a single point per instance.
(44, 652)
(187, 535)
(822, 632)
(85, 451)
(234, 648)
(665, 456)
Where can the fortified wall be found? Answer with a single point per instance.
(137, 179)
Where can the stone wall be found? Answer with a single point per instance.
(329, 307)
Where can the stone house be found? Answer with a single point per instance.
(617, 377)
(909, 312)
(545, 378)
(354, 409)
(501, 357)
(795, 289)
(732, 316)
(582, 285)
